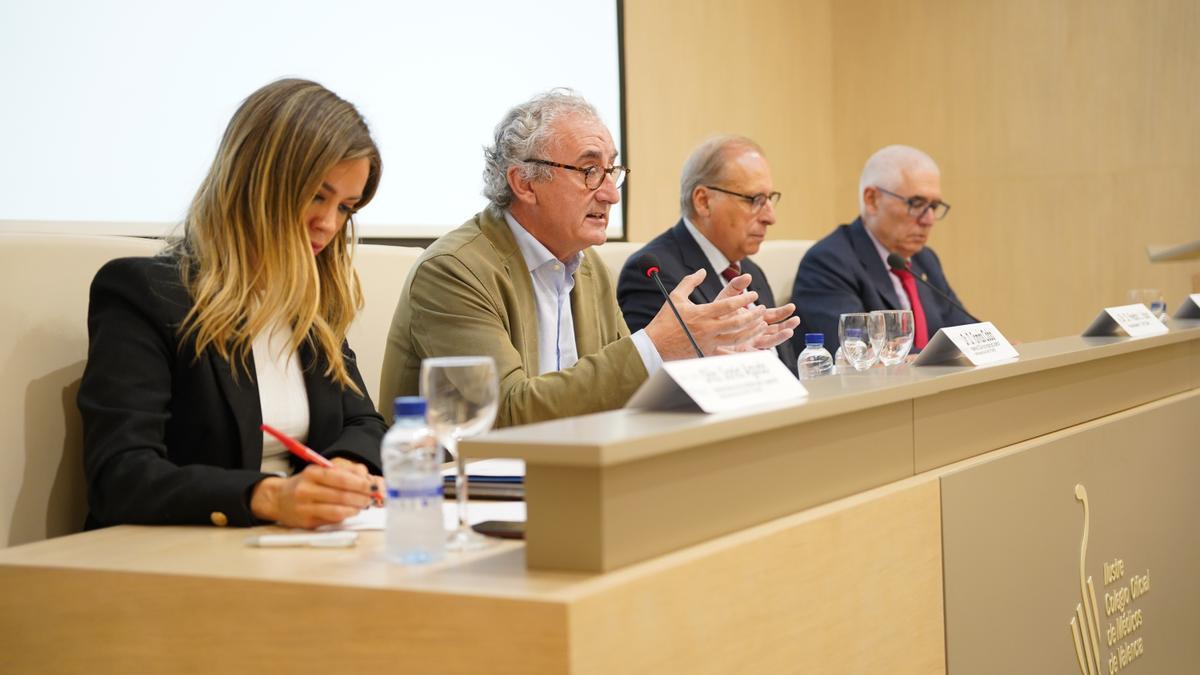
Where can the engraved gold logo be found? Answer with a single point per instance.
(1085, 625)
(1124, 620)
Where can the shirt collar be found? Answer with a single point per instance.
(715, 258)
(535, 252)
(880, 249)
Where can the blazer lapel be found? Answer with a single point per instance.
(524, 323)
(322, 398)
(694, 259)
(929, 301)
(758, 282)
(881, 278)
(587, 324)
(242, 397)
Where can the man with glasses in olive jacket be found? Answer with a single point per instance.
(520, 282)
(900, 199)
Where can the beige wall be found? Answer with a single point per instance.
(1066, 130)
(695, 68)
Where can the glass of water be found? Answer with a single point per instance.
(854, 331)
(898, 331)
(461, 394)
(1152, 298)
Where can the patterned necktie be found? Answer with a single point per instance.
(921, 332)
(730, 272)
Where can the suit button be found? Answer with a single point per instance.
(218, 519)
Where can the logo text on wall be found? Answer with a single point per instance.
(1122, 620)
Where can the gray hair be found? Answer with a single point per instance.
(887, 166)
(525, 133)
(706, 165)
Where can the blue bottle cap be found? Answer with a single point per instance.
(854, 333)
(814, 338)
(409, 406)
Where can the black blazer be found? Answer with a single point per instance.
(168, 439)
(842, 273)
(678, 256)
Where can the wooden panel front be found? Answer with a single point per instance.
(965, 422)
(852, 588)
(663, 503)
(1013, 530)
(68, 620)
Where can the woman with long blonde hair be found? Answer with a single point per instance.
(241, 322)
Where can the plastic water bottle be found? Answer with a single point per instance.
(815, 360)
(412, 468)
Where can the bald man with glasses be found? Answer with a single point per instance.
(900, 200)
(727, 202)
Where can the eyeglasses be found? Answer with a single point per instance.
(593, 176)
(917, 206)
(756, 201)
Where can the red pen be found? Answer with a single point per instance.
(309, 455)
(297, 448)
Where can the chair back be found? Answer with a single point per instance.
(43, 347)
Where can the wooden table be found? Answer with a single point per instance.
(592, 480)
(844, 535)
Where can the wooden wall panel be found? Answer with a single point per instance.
(1066, 130)
(695, 68)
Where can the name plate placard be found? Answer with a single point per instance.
(1132, 320)
(1190, 309)
(719, 384)
(977, 343)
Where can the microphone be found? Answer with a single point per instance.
(899, 263)
(648, 263)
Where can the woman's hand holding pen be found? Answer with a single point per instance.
(315, 496)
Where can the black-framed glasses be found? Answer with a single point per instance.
(917, 206)
(756, 201)
(593, 176)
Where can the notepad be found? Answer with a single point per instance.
(490, 479)
(375, 518)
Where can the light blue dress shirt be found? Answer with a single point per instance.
(552, 284)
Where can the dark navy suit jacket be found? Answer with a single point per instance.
(842, 273)
(678, 256)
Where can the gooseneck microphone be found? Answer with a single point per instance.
(899, 263)
(648, 264)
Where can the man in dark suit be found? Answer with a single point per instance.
(727, 200)
(900, 199)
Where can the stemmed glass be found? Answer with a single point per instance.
(461, 395)
(855, 335)
(898, 330)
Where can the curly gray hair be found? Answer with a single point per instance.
(525, 133)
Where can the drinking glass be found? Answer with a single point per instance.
(855, 336)
(461, 394)
(898, 330)
(877, 331)
(1152, 298)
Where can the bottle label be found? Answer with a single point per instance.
(415, 493)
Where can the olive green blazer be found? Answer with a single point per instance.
(471, 293)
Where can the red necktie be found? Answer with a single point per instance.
(921, 332)
(730, 272)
